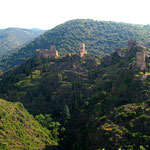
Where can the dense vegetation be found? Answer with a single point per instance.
(100, 103)
(100, 38)
(42, 83)
(12, 39)
(19, 130)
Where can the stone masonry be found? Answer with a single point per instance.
(131, 44)
(82, 50)
(139, 51)
(121, 53)
(47, 53)
(140, 60)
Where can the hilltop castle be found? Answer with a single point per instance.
(54, 53)
(139, 51)
(47, 53)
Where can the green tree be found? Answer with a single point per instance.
(66, 112)
(46, 121)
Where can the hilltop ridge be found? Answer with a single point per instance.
(100, 37)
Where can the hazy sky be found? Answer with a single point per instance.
(46, 14)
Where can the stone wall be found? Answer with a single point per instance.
(47, 53)
(121, 52)
(141, 47)
(131, 44)
(140, 60)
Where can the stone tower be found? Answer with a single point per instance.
(131, 44)
(140, 60)
(82, 50)
(53, 51)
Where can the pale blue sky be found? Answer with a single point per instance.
(46, 14)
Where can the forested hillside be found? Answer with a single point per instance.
(101, 103)
(19, 130)
(42, 83)
(12, 39)
(100, 37)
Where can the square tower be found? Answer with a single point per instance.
(82, 50)
(140, 60)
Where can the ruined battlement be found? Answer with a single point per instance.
(47, 53)
(82, 50)
(140, 60)
(54, 53)
(139, 51)
(131, 44)
(121, 52)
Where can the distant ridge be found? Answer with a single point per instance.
(36, 29)
(12, 39)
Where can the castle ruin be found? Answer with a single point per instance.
(139, 51)
(82, 50)
(131, 44)
(124, 53)
(140, 60)
(121, 52)
(47, 53)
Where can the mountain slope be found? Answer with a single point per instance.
(100, 38)
(102, 103)
(40, 79)
(14, 38)
(117, 113)
(19, 130)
